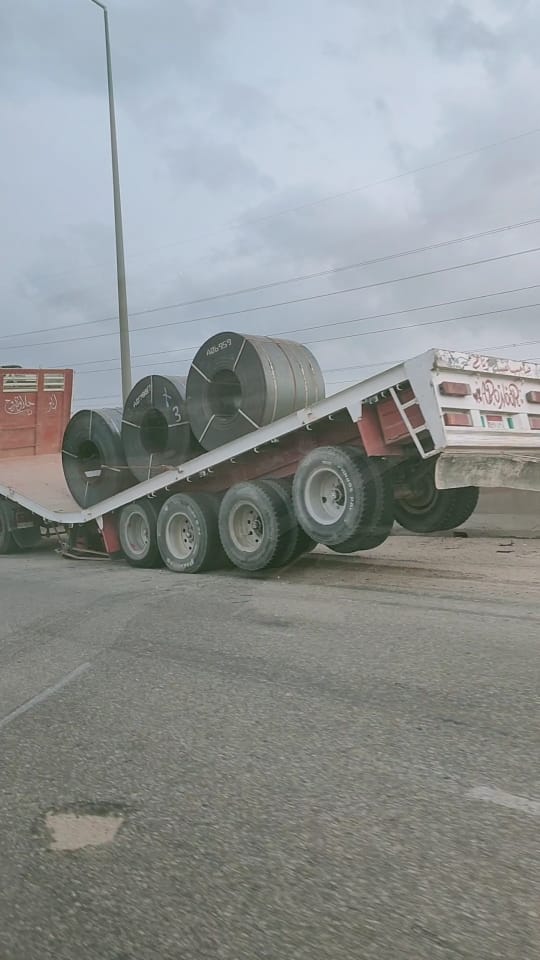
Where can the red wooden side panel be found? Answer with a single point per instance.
(392, 424)
(35, 406)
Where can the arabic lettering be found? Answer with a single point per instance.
(502, 396)
(19, 405)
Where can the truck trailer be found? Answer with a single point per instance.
(414, 444)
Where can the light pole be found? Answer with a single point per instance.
(125, 354)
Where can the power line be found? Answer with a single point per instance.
(336, 323)
(248, 221)
(348, 336)
(505, 228)
(283, 303)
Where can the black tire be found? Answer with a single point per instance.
(137, 532)
(379, 493)
(254, 525)
(26, 538)
(290, 547)
(465, 503)
(332, 500)
(237, 384)
(156, 433)
(93, 457)
(7, 513)
(433, 510)
(188, 533)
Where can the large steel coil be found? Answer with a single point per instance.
(155, 426)
(92, 456)
(237, 384)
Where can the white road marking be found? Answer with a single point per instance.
(44, 695)
(503, 799)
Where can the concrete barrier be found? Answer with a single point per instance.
(514, 513)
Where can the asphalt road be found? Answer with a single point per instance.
(338, 761)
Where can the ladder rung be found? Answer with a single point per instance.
(410, 403)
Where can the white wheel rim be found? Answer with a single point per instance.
(180, 536)
(137, 533)
(246, 527)
(325, 497)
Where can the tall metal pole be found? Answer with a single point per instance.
(125, 353)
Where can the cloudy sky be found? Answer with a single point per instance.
(260, 142)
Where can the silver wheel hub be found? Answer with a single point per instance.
(246, 527)
(325, 497)
(180, 536)
(138, 534)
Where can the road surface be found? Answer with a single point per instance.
(334, 762)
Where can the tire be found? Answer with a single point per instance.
(254, 525)
(137, 532)
(465, 503)
(237, 384)
(26, 538)
(303, 544)
(7, 543)
(93, 457)
(290, 536)
(156, 433)
(188, 533)
(332, 499)
(378, 525)
(434, 510)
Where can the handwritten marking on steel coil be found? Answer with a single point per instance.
(144, 393)
(219, 346)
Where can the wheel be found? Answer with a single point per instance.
(378, 524)
(295, 542)
(332, 499)
(26, 538)
(429, 510)
(7, 543)
(188, 533)
(254, 525)
(137, 531)
(465, 503)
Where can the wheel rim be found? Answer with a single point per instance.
(422, 499)
(137, 534)
(325, 497)
(180, 536)
(246, 527)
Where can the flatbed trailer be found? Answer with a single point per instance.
(461, 420)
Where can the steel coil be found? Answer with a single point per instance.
(93, 457)
(237, 384)
(156, 433)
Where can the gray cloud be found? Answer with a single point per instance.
(216, 166)
(458, 32)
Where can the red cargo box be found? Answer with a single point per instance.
(35, 406)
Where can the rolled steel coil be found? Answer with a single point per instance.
(156, 433)
(238, 383)
(93, 457)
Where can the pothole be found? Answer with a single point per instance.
(77, 827)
